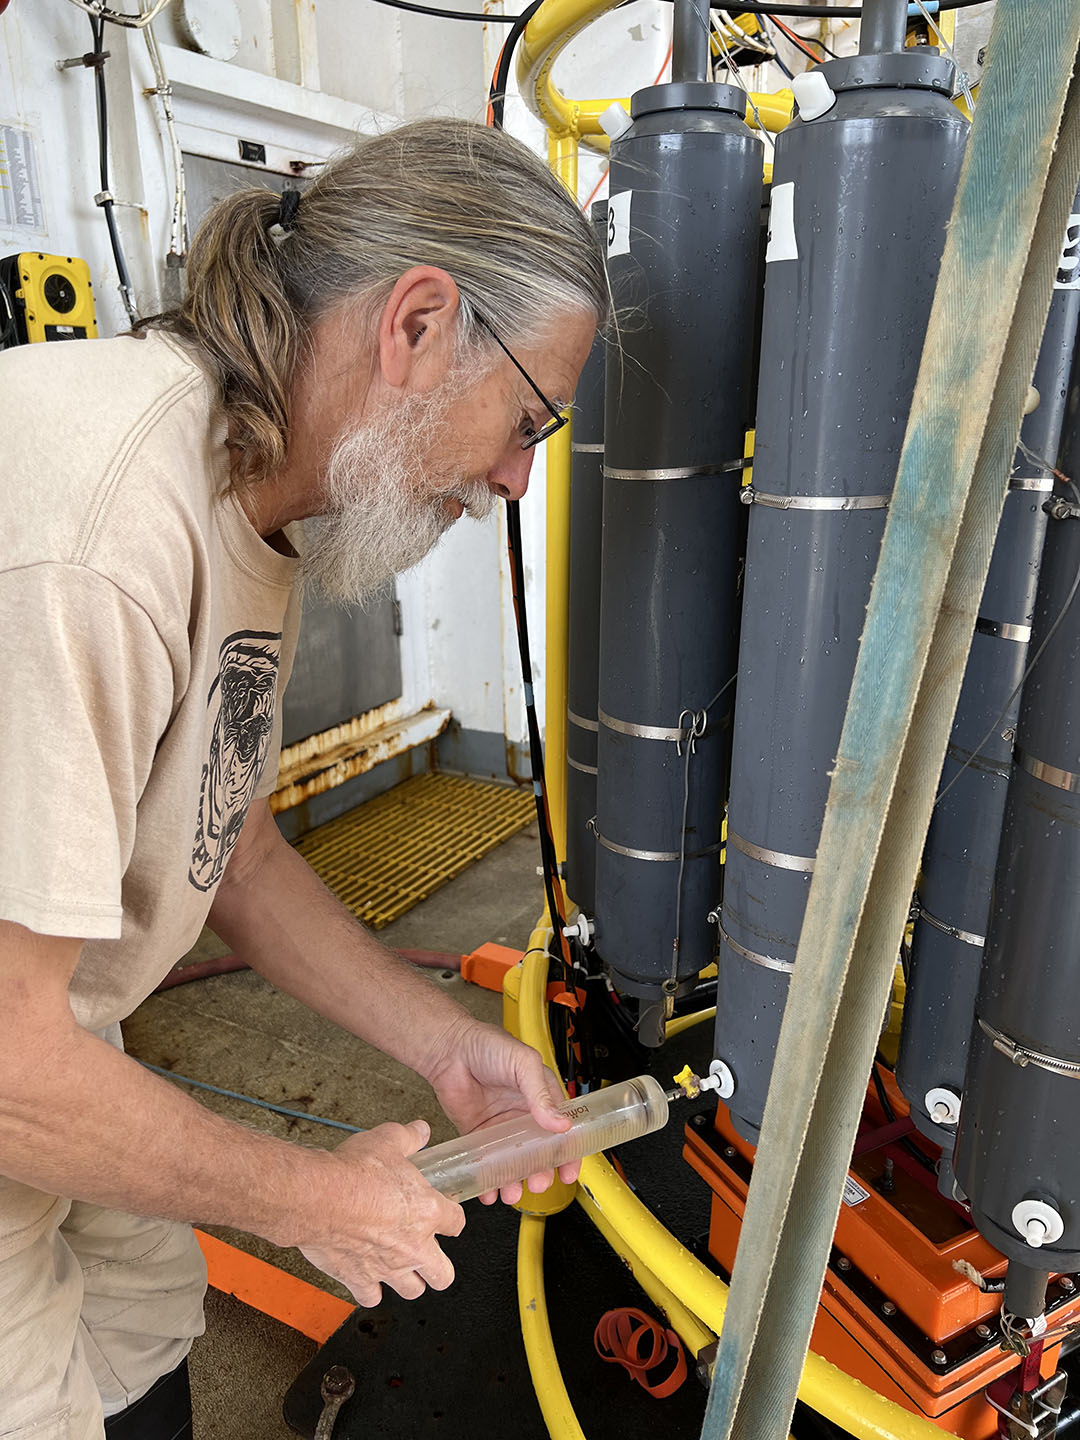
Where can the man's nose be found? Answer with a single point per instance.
(509, 476)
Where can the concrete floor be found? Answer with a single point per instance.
(236, 1031)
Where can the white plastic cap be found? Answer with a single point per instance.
(615, 121)
(813, 94)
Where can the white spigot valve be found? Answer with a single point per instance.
(582, 929)
(943, 1105)
(1038, 1222)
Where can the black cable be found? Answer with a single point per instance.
(810, 39)
(549, 862)
(742, 7)
(9, 334)
(497, 94)
(882, 1095)
(776, 53)
(890, 1116)
(97, 30)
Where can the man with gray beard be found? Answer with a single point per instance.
(363, 365)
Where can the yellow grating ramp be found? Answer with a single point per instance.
(386, 855)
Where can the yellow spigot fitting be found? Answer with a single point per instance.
(688, 1082)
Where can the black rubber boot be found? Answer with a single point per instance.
(163, 1413)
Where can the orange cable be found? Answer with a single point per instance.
(796, 40)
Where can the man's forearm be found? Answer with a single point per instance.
(85, 1120)
(282, 920)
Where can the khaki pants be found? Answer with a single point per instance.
(95, 1305)
(92, 1312)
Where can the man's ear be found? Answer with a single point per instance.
(417, 329)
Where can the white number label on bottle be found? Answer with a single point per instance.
(782, 244)
(618, 223)
(1068, 272)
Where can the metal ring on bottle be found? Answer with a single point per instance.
(581, 722)
(672, 472)
(590, 447)
(665, 856)
(967, 936)
(1003, 629)
(674, 734)
(1042, 483)
(1051, 774)
(577, 765)
(1023, 1056)
(778, 858)
(750, 496)
(767, 962)
(976, 761)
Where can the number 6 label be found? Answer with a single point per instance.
(618, 223)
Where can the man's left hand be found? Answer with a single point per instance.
(484, 1076)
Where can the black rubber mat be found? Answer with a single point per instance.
(452, 1366)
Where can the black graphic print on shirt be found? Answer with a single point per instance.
(241, 702)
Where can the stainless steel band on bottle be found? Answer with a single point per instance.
(778, 858)
(750, 496)
(577, 765)
(662, 856)
(1051, 774)
(767, 962)
(1042, 483)
(581, 722)
(1003, 629)
(673, 472)
(674, 734)
(1023, 1056)
(967, 936)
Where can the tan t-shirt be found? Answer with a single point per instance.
(148, 633)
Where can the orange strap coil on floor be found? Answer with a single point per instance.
(621, 1338)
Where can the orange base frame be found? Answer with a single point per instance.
(894, 1312)
(272, 1291)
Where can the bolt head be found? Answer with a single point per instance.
(337, 1382)
(729, 1152)
(843, 1263)
(1068, 1284)
(939, 1357)
(983, 1331)
(888, 1308)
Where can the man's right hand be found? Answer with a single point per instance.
(380, 1227)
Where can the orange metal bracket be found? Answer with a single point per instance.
(488, 966)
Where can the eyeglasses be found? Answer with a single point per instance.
(557, 420)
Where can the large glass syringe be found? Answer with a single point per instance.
(500, 1154)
